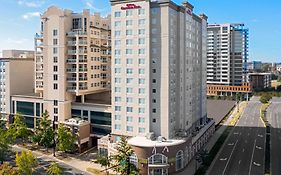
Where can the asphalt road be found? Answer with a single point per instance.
(243, 151)
(274, 118)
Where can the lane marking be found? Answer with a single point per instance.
(244, 149)
(257, 164)
(252, 157)
(223, 159)
(229, 158)
(258, 147)
(239, 162)
(230, 144)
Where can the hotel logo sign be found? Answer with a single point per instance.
(130, 6)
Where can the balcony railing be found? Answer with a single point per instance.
(71, 69)
(83, 88)
(83, 78)
(83, 69)
(71, 79)
(75, 33)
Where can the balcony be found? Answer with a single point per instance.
(71, 43)
(38, 36)
(83, 88)
(71, 79)
(83, 42)
(83, 69)
(83, 78)
(71, 60)
(83, 51)
(71, 70)
(83, 60)
(76, 33)
(71, 52)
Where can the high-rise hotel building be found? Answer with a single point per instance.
(227, 56)
(72, 59)
(159, 82)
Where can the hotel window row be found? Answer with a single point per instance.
(129, 13)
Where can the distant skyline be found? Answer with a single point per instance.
(20, 20)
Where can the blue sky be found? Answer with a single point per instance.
(19, 20)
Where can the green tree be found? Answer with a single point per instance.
(26, 162)
(121, 160)
(44, 133)
(7, 169)
(65, 139)
(18, 129)
(104, 161)
(54, 169)
(4, 141)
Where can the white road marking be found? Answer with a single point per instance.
(258, 147)
(259, 135)
(239, 162)
(252, 157)
(229, 158)
(257, 164)
(223, 159)
(230, 144)
(244, 149)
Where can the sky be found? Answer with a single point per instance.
(20, 20)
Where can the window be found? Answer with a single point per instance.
(129, 71)
(129, 32)
(141, 71)
(153, 21)
(141, 110)
(117, 80)
(129, 61)
(129, 51)
(117, 52)
(117, 61)
(129, 109)
(129, 90)
(117, 127)
(141, 40)
(55, 110)
(153, 70)
(141, 81)
(153, 80)
(129, 100)
(141, 120)
(141, 130)
(118, 108)
(117, 23)
(55, 59)
(141, 61)
(158, 159)
(55, 77)
(141, 51)
(129, 22)
(141, 11)
(55, 41)
(117, 117)
(55, 86)
(129, 119)
(129, 42)
(141, 31)
(55, 68)
(117, 99)
(141, 101)
(55, 102)
(55, 32)
(154, 11)
(129, 80)
(129, 128)
(179, 160)
(141, 21)
(117, 89)
(141, 90)
(55, 50)
(117, 33)
(154, 120)
(117, 14)
(117, 70)
(153, 90)
(129, 12)
(154, 110)
(117, 42)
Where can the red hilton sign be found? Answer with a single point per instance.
(130, 6)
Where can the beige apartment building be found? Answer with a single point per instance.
(16, 77)
(158, 83)
(72, 59)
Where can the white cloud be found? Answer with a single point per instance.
(31, 3)
(29, 15)
(16, 41)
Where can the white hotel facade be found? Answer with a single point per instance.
(159, 83)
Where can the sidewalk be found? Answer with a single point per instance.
(190, 169)
(70, 161)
